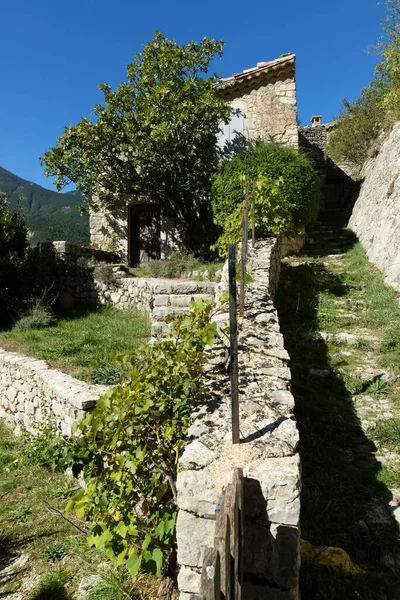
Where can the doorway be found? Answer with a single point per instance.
(144, 233)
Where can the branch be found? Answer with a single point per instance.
(85, 531)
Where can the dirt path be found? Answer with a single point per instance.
(342, 329)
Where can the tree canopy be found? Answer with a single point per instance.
(154, 136)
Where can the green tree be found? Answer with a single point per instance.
(362, 121)
(15, 255)
(287, 191)
(155, 135)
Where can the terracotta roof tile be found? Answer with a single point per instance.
(263, 70)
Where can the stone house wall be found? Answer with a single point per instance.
(266, 96)
(268, 452)
(29, 386)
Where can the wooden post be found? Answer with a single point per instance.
(238, 482)
(211, 575)
(222, 543)
(245, 224)
(253, 216)
(234, 368)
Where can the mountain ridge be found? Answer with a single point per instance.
(50, 215)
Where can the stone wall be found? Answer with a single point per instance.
(108, 285)
(28, 386)
(267, 454)
(376, 213)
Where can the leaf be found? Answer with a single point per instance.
(134, 563)
(158, 559)
(121, 529)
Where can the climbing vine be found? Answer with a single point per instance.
(129, 446)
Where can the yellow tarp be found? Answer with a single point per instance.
(332, 557)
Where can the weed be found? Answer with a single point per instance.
(113, 584)
(63, 491)
(44, 445)
(52, 586)
(387, 432)
(108, 375)
(378, 388)
(55, 552)
(18, 514)
(39, 315)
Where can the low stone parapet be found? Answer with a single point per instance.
(267, 452)
(29, 388)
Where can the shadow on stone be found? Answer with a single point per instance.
(339, 468)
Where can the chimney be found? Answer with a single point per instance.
(316, 120)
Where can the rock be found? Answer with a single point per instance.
(193, 536)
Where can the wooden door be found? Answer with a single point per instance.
(144, 233)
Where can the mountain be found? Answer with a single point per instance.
(50, 216)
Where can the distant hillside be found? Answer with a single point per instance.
(50, 216)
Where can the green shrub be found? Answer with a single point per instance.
(358, 127)
(16, 263)
(129, 446)
(44, 445)
(39, 316)
(287, 191)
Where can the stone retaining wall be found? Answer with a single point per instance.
(28, 386)
(267, 454)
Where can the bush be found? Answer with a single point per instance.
(44, 445)
(287, 193)
(359, 125)
(16, 263)
(39, 316)
(129, 446)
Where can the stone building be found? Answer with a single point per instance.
(265, 99)
(264, 106)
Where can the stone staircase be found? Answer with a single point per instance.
(173, 296)
(325, 240)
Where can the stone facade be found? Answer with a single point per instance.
(376, 213)
(266, 95)
(109, 230)
(28, 387)
(268, 452)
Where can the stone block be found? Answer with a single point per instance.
(197, 492)
(193, 536)
(189, 580)
(196, 455)
(285, 555)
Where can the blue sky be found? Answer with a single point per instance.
(53, 55)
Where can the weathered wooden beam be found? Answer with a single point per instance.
(211, 575)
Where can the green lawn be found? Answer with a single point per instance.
(81, 341)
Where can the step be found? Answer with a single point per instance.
(182, 300)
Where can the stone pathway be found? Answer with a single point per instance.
(342, 395)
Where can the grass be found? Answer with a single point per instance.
(179, 265)
(29, 524)
(341, 478)
(32, 502)
(81, 341)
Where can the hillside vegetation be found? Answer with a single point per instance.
(50, 215)
(362, 121)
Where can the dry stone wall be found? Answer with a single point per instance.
(376, 213)
(268, 452)
(29, 387)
